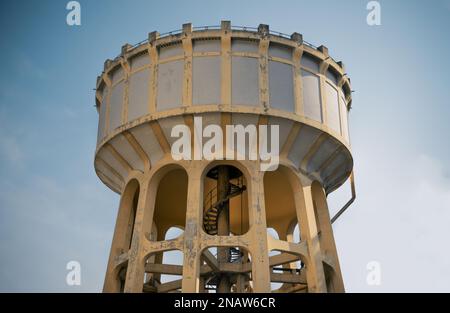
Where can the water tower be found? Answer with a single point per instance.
(240, 229)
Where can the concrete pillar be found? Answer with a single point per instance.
(327, 243)
(258, 233)
(121, 243)
(305, 212)
(136, 258)
(194, 213)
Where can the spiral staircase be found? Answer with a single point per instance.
(212, 208)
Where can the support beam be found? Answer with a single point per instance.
(287, 278)
(138, 149)
(211, 260)
(168, 269)
(283, 258)
(170, 286)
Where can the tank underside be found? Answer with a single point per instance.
(305, 147)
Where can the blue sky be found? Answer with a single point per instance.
(53, 208)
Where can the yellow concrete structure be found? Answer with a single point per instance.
(227, 75)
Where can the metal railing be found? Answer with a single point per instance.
(207, 27)
(171, 33)
(218, 27)
(244, 28)
(211, 197)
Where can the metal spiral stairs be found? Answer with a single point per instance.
(212, 208)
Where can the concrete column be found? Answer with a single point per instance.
(258, 233)
(305, 213)
(152, 87)
(187, 79)
(136, 259)
(194, 212)
(328, 246)
(120, 245)
(158, 260)
(263, 51)
(226, 63)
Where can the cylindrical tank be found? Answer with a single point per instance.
(223, 207)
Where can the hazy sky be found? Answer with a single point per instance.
(53, 208)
